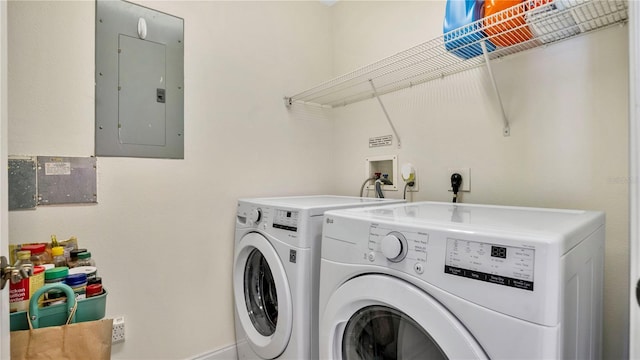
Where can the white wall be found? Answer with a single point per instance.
(162, 233)
(568, 107)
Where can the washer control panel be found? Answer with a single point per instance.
(285, 219)
(497, 264)
(398, 247)
(407, 250)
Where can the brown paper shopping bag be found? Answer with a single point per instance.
(83, 340)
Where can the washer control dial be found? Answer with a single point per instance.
(394, 246)
(254, 216)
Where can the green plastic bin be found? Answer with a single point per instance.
(89, 309)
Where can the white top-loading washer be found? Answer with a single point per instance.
(461, 281)
(276, 273)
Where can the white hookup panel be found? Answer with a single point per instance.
(385, 164)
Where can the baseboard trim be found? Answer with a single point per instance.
(226, 353)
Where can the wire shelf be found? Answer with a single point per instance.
(525, 26)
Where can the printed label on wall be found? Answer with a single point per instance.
(57, 168)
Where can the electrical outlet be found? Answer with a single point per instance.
(117, 335)
(410, 172)
(466, 178)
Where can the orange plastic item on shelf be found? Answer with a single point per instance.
(509, 32)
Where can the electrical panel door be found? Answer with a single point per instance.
(139, 81)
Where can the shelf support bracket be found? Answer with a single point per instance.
(386, 114)
(506, 131)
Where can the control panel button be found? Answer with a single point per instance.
(254, 216)
(394, 246)
(418, 268)
(372, 256)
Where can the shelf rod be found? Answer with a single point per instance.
(386, 114)
(506, 131)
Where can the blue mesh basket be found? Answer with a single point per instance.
(463, 30)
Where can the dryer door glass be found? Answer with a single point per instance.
(380, 332)
(260, 294)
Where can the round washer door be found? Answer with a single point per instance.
(262, 296)
(381, 317)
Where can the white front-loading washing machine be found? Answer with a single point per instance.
(458, 281)
(276, 273)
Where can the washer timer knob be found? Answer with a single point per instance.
(254, 215)
(394, 247)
